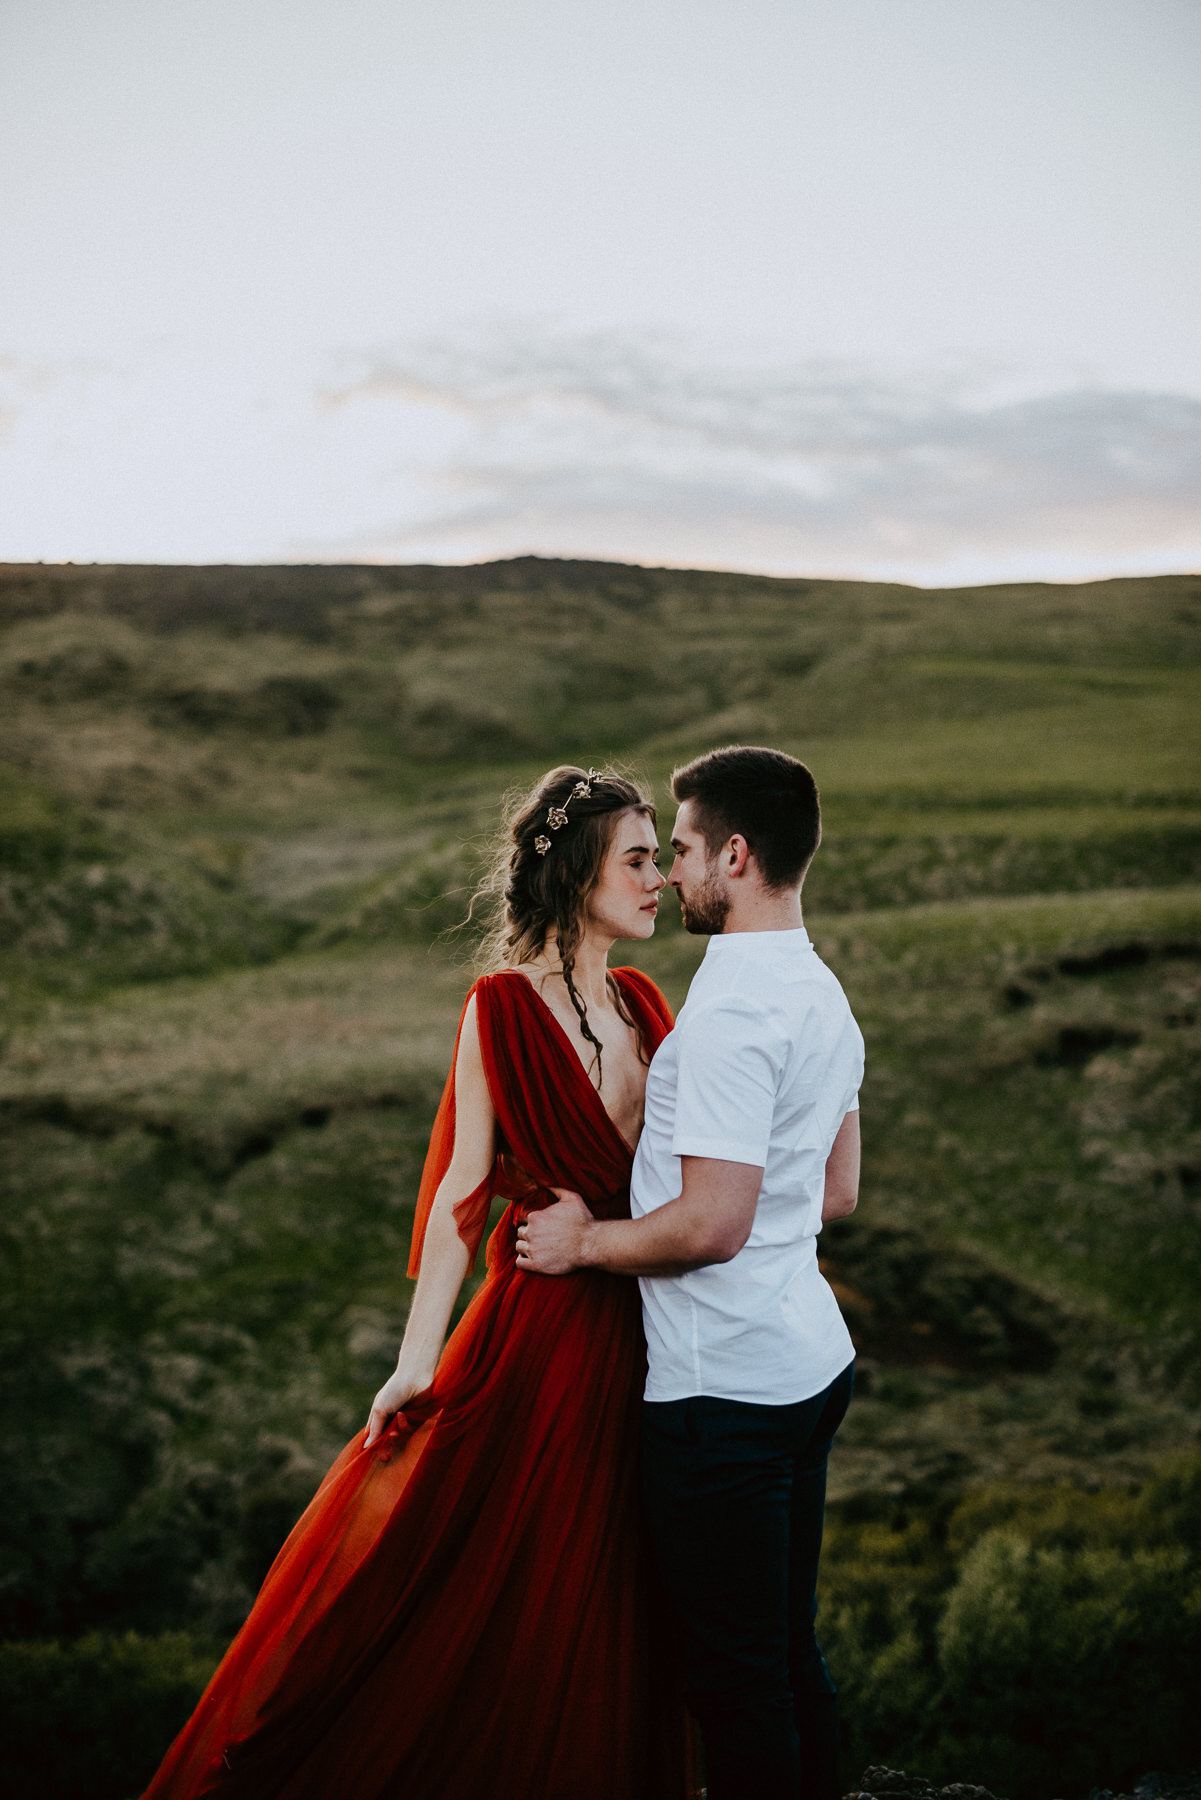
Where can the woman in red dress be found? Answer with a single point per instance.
(464, 1612)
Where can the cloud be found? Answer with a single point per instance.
(598, 446)
(639, 449)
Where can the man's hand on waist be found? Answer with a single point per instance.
(554, 1241)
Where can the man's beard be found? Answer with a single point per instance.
(706, 909)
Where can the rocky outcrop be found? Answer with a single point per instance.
(879, 1783)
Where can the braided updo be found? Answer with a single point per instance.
(532, 897)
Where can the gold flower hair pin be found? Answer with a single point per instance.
(556, 817)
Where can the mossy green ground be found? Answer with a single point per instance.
(239, 810)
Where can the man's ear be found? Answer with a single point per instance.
(736, 855)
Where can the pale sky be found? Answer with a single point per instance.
(902, 288)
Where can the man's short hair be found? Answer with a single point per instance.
(766, 797)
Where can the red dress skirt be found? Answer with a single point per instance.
(465, 1611)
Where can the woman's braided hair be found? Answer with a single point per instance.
(535, 893)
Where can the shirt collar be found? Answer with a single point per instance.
(758, 943)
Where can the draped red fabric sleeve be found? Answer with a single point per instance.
(651, 1001)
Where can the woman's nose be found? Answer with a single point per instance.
(660, 880)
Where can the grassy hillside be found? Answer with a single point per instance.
(239, 809)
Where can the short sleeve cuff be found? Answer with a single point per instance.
(721, 1150)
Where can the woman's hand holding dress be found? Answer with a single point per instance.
(396, 1392)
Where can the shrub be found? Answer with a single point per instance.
(91, 1720)
(1069, 1667)
(1040, 1640)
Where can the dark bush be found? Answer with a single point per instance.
(1066, 1668)
(280, 706)
(1045, 1640)
(293, 705)
(90, 1720)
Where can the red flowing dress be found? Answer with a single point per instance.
(464, 1611)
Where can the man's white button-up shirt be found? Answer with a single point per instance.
(764, 1063)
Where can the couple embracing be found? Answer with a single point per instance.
(594, 1517)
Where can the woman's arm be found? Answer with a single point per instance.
(445, 1256)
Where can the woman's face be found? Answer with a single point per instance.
(625, 900)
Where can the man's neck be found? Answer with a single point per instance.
(765, 910)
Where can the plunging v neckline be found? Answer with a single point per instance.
(569, 1049)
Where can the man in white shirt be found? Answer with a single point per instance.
(751, 1138)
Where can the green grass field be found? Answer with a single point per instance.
(240, 812)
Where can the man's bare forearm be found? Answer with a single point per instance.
(708, 1222)
(659, 1244)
